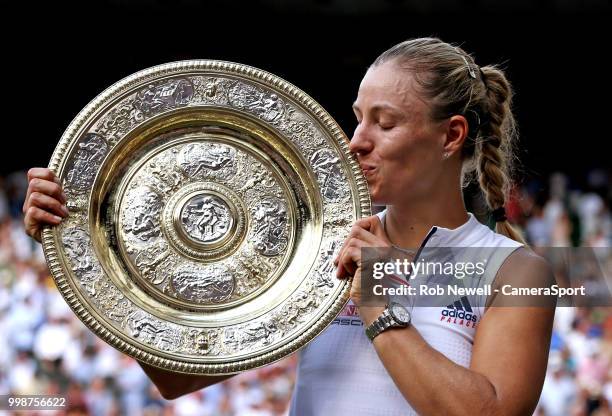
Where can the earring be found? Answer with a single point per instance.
(445, 155)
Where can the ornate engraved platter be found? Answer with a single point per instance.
(207, 201)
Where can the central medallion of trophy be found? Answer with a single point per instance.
(206, 218)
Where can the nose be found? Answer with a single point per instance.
(361, 141)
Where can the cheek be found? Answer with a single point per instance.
(413, 163)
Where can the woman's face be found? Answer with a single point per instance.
(398, 147)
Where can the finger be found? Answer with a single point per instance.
(351, 258)
(35, 217)
(39, 177)
(43, 173)
(364, 222)
(366, 236)
(360, 231)
(377, 228)
(350, 262)
(48, 203)
(48, 188)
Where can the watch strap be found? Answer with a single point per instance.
(380, 324)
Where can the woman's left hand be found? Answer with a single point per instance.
(366, 232)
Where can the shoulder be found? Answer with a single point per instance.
(523, 268)
(527, 262)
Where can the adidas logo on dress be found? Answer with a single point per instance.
(460, 313)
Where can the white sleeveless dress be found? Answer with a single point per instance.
(339, 372)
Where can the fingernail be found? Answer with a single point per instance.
(65, 210)
(64, 197)
(58, 219)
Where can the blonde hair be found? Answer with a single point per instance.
(454, 85)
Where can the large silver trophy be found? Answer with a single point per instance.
(207, 201)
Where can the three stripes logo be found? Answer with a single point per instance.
(460, 313)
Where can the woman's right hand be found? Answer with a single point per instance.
(45, 202)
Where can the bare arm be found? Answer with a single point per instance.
(173, 385)
(509, 355)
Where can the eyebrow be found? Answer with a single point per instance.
(379, 107)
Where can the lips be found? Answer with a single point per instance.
(367, 169)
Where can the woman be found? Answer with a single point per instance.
(428, 120)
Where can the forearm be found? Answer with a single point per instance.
(429, 381)
(173, 385)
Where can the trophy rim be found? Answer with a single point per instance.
(97, 323)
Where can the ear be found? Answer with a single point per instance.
(456, 134)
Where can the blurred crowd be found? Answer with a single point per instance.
(47, 350)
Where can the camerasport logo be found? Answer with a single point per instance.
(460, 313)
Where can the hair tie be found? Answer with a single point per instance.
(499, 214)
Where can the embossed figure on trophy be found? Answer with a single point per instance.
(77, 247)
(143, 220)
(148, 259)
(210, 89)
(215, 158)
(206, 218)
(301, 304)
(269, 106)
(157, 98)
(259, 176)
(261, 332)
(203, 286)
(76, 243)
(271, 219)
(211, 213)
(167, 179)
(143, 328)
(196, 158)
(90, 153)
(327, 268)
(326, 166)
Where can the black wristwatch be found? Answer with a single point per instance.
(395, 315)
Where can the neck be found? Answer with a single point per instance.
(408, 222)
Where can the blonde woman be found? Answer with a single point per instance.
(429, 118)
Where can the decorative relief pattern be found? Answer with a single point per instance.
(78, 250)
(270, 216)
(328, 170)
(209, 284)
(142, 219)
(86, 162)
(189, 195)
(153, 332)
(206, 342)
(207, 219)
(208, 161)
(111, 301)
(267, 106)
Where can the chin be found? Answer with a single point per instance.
(376, 199)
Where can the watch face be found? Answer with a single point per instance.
(399, 313)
